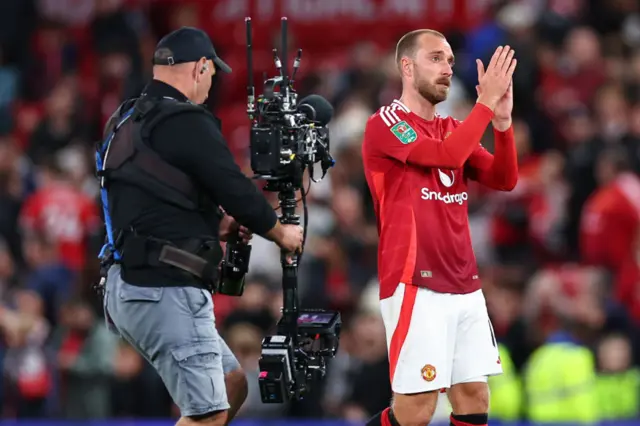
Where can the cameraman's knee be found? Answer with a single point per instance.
(414, 409)
(214, 418)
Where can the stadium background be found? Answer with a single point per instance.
(558, 254)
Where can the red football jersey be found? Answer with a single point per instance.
(610, 223)
(66, 216)
(421, 212)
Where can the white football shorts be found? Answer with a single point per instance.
(436, 340)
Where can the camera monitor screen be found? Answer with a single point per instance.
(319, 318)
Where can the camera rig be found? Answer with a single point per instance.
(288, 138)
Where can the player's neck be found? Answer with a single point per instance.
(418, 105)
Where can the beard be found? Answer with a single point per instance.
(432, 92)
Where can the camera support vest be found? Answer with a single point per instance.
(125, 155)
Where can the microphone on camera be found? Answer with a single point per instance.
(316, 108)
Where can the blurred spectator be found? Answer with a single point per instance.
(29, 375)
(576, 75)
(111, 27)
(9, 87)
(53, 55)
(253, 307)
(17, 21)
(560, 375)
(245, 341)
(60, 127)
(611, 224)
(372, 372)
(137, 390)
(47, 277)
(583, 147)
(7, 273)
(16, 182)
(631, 140)
(84, 352)
(63, 213)
(619, 382)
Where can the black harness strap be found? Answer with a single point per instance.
(130, 158)
(146, 158)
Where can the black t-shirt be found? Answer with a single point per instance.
(193, 143)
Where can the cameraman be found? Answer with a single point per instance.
(167, 170)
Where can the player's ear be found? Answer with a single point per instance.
(406, 66)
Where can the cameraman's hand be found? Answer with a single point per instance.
(228, 226)
(244, 234)
(291, 240)
(229, 229)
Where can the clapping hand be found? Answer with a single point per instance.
(498, 77)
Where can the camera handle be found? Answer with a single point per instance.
(290, 310)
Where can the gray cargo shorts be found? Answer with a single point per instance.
(173, 328)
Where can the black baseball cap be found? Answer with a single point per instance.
(187, 44)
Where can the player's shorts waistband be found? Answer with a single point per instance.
(428, 290)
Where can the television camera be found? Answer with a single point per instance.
(288, 137)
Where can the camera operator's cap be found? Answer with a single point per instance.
(187, 44)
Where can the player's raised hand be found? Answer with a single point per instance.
(502, 113)
(495, 81)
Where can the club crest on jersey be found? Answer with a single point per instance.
(404, 132)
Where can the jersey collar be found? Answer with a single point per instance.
(401, 105)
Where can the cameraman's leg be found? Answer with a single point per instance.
(237, 388)
(216, 418)
(174, 329)
(235, 381)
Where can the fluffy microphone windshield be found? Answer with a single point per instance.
(316, 108)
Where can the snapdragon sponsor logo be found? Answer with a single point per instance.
(445, 198)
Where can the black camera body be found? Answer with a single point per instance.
(267, 151)
(288, 138)
(233, 269)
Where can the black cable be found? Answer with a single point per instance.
(305, 222)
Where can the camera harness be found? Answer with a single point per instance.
(124, 155)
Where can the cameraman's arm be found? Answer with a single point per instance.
(195, 144)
